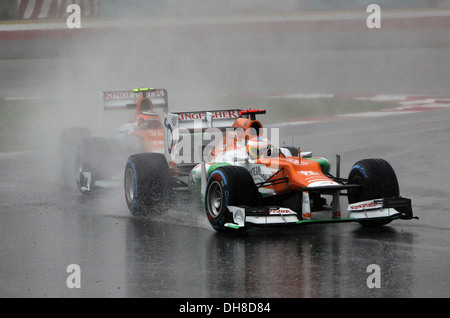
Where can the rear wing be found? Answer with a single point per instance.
(184, 142)
(192, 123)
(123, 100)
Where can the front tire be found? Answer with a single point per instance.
(147, 183)
(377, 180)
(228, 185)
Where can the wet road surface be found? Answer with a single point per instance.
(46, 227)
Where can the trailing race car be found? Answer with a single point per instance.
(243, 179)
(98, 159)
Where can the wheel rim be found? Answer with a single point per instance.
(130, 185)
(215, 199)
(82, 182)
(79, 171)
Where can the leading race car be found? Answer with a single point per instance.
(241, 178)
(99, 158)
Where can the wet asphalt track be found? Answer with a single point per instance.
(45, 226)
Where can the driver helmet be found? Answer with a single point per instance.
(257, 146)
(144, 105)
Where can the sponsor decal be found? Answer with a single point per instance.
(130, 94)
(309, 173)
(313, 177)
(117, 95)
(272, 211)
(202, 115)
(281, 211)
(363, 171)
(364, 205)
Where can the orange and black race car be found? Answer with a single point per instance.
(98, 159)
(241, 178)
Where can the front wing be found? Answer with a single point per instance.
(372, 210)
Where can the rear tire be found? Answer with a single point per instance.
(147, 183)
(228, 185)
(69, 141)
(377, 179)
(92, 157)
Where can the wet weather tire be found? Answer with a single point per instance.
(228, 185)
(147, 184)
(91, 156)
(69, 141)
(377, 180)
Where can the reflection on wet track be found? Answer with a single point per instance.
(45, 228)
